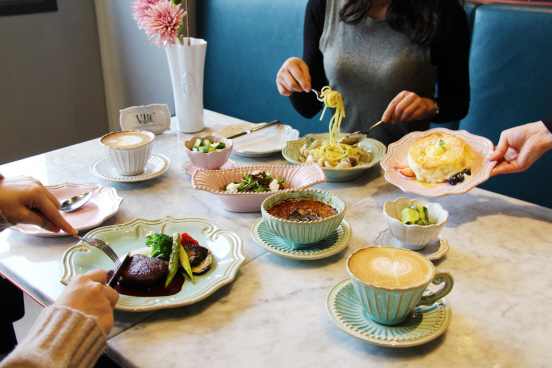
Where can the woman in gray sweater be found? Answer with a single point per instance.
(386, 58)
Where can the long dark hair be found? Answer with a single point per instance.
(426, 22)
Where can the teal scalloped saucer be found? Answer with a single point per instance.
(424, 325)
(333, 244)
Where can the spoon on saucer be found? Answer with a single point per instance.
(75, 202)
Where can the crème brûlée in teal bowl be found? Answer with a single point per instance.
(303, 217)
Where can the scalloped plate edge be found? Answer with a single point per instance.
(381, 152)
(212, 230)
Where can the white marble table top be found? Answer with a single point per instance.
(274, 313)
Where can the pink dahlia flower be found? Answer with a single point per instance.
(139, 9)
(164, 20)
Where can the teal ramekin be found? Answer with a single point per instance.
(304, 234)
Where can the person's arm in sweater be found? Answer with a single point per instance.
(72, 332)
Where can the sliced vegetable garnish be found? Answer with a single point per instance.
(175, 258)
(185, 262)
(187, 239)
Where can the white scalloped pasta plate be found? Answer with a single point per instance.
(226, 247)
(264, 142)
(376, 149)
(295, 177)
(104, 203)
(481, 168)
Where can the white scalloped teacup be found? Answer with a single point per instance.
(414, 237)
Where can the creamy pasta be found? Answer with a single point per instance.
(329, 152)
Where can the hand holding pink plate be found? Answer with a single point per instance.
(104, 203)
(480, 170)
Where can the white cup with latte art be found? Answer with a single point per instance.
(128, 150)
(390, 282)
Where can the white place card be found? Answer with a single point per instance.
(154, 118)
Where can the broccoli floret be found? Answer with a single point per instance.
(161, 246)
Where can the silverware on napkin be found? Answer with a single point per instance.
(275, 122)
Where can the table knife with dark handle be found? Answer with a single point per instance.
(275, 122)
(119, 271)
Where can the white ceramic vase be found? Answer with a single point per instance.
(186, 64)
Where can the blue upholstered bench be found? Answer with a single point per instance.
(510, 72)
(511, 84)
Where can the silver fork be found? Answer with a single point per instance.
(103, 246)
(317, 93)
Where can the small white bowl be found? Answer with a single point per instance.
(414, 237)
(212, 160)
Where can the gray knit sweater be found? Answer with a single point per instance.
(61, 338)
(369, 57)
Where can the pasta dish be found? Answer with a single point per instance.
(334, 152)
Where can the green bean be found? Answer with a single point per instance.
(175, 259)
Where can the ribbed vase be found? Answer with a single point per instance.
(187, 64)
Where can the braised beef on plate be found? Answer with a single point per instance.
(143, 272)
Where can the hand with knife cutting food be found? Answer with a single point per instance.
(89, 294)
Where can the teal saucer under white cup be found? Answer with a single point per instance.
(393, 305)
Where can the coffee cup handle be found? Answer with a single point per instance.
(439, 278)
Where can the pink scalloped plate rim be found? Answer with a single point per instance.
(104, 203)
(398, 151)
(299, 177)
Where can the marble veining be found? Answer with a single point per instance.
(273, 314)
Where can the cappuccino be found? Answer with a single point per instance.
(127, 139)
(390, 268)
(390, 282)
(128, 151)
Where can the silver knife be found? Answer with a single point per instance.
(275, 122)
(119, 271)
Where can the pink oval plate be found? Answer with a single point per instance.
(104, 203)
(398, 152)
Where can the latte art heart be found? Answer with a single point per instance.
(388, 267)
(393, 268)
(129, 140)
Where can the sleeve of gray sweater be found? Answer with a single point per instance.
(61, 337)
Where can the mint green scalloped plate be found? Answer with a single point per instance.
(226, 247)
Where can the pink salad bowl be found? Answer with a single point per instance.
(212, 160)
(295, 177)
